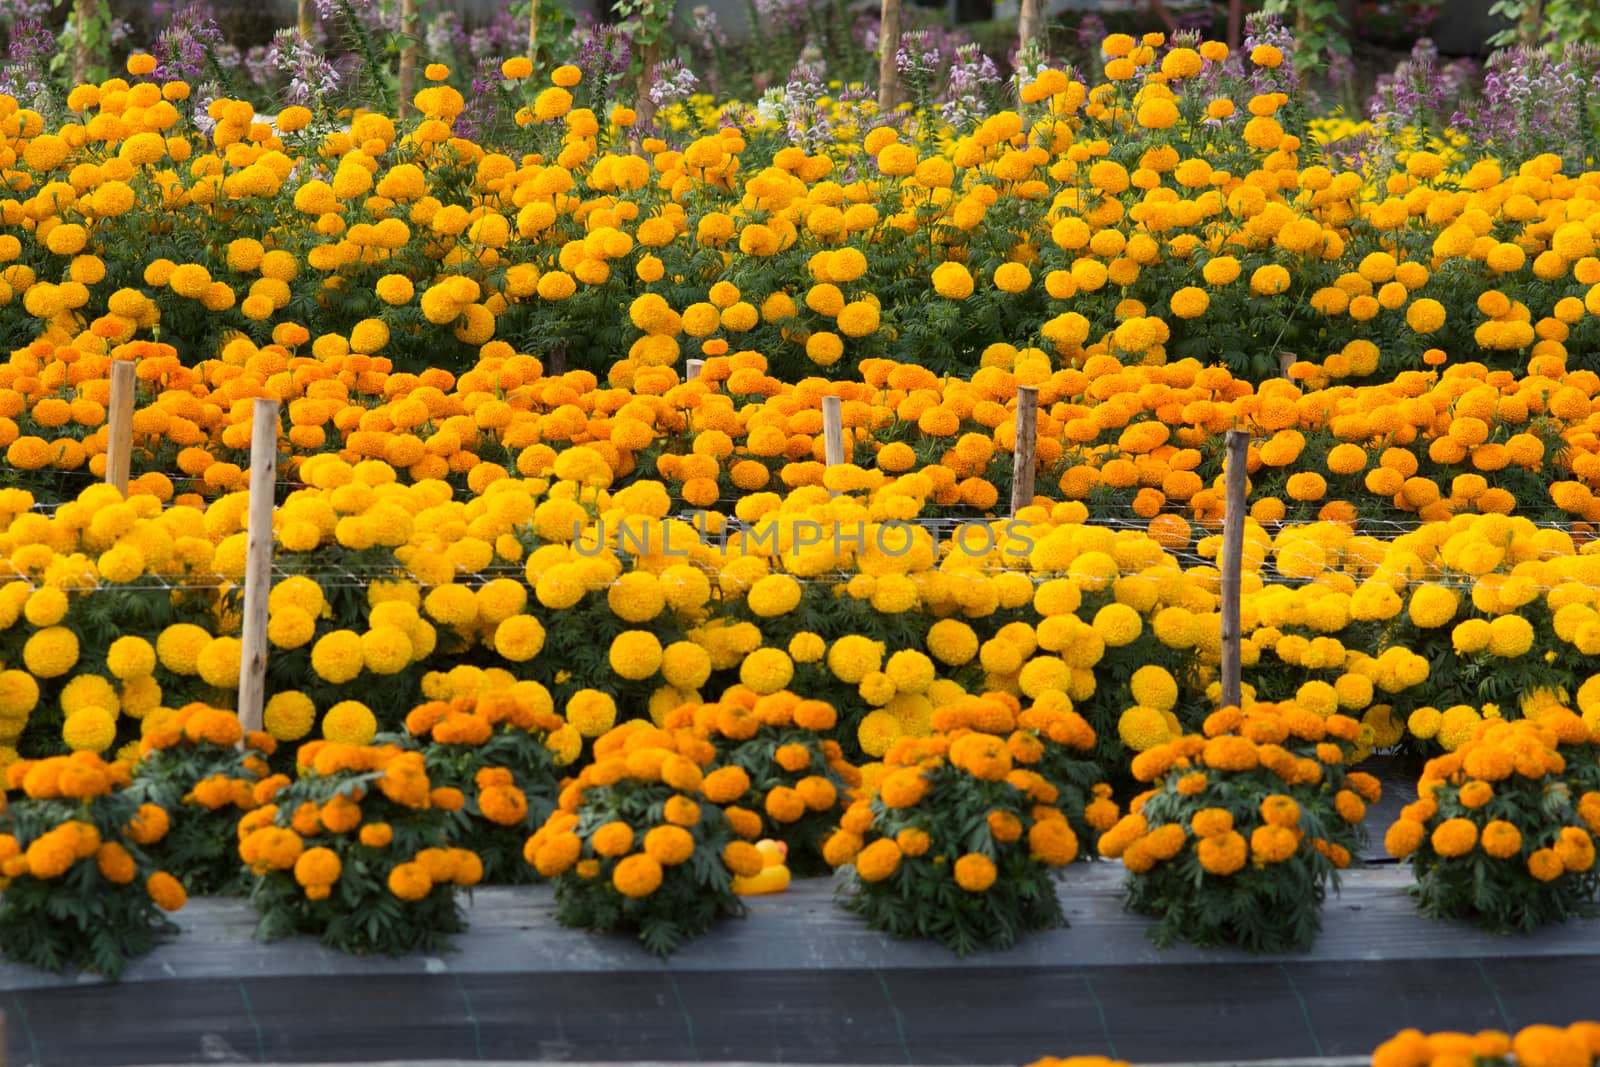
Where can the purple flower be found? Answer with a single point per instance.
(310, 74)
(1535, 102)
(28, 57)
(181, 50)
(674, 82)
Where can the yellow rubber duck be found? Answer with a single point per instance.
(774, 876)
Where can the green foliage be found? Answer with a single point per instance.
(361, 914)
(1562, 22)
(1269, 903)
(201, 848)
(920, 897)
(1318, 28)
(692, 895)
(80, 919)
(1554, 813)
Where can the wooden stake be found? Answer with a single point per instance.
(888, 48)
(306, 20)
(409, 26)
(1235, 473)
(1286, 362)
(692, 369)
(82, 15)
(1028, 23)
(533, 34)
(832, 431)
(119, 427)
(1024, 456)
(258, 563)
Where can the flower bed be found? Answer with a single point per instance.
(499, 580)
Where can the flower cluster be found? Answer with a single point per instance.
(1503, 830)
(639, 841)
(1541, 1045)
(501, 747)
(193, 765)
(80, 888)
(961, 833)
(1244, 827)
(794, 777)
(355, 851)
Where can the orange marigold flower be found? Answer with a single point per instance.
(975, 872)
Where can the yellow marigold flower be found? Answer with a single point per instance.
(952, 280)
(350, 722)
(90, 729)
(591, 712)
(1265, 55)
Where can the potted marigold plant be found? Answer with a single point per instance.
(355, 853)
(1499, 833)
(80, 888)
(1245, 827)
(961, 838)
(192, 767)
(497, 750)
(631, 846)
(794, 778)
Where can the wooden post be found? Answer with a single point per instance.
(409, 42)
(888, 48)
(1286, 362)
(643, 105)
(83, 14)
(533, 34)
(1235, 24)
(119, 425)
(258, 562)
(306, 20)
(1235, 473)
(1028, 25)
(1024, 455)
(832, 431)
(692, 369)
(1528, 32)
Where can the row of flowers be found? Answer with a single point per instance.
(1187, 214)
(1238, 833)
(1539, 1045)
(605, 608)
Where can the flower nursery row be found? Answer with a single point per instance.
(615, 608)
(1539, 1045)
(1240, 830)
(1175, 208)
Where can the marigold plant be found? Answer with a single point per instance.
(1503, 830)
(638, 843)
(499, 749)
(81, 888)
(1244, 828)
(355, 852)
(777, 777)
(192, 766)
(960, 838)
